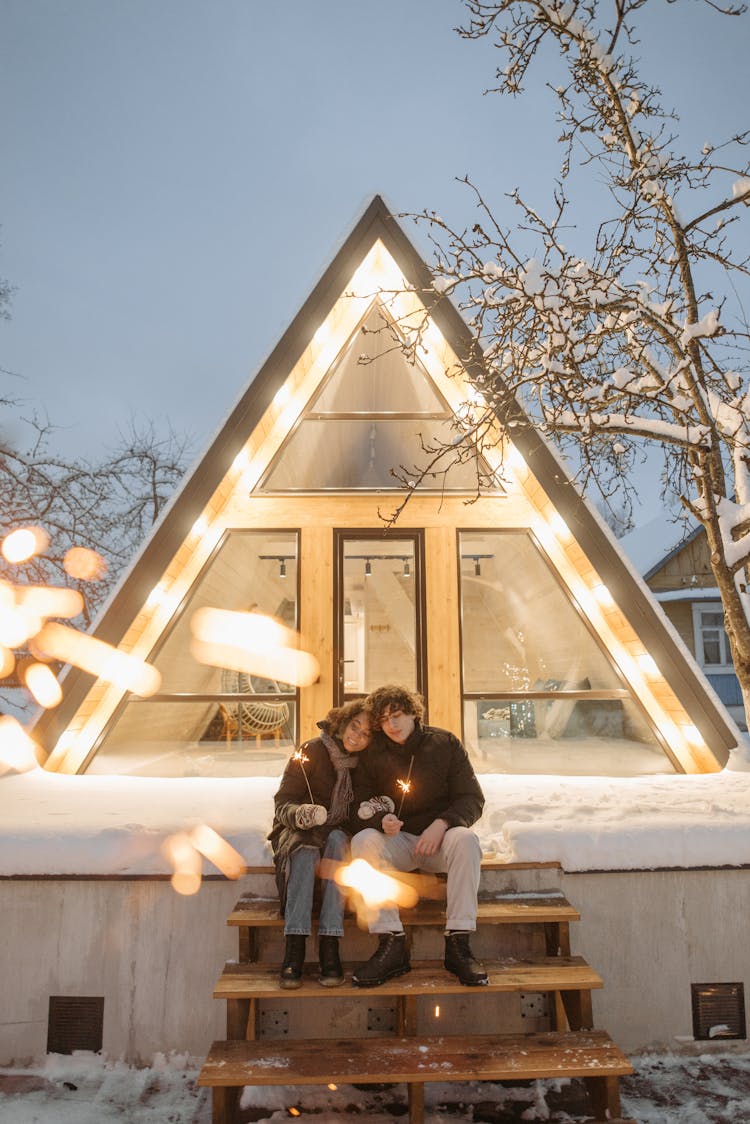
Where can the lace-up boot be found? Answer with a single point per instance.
(294, 959)
(391, 958)
(331, 972)
(460, 961)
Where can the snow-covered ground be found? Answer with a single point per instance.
(56, 824)
(88, 1089)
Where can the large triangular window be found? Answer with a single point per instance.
(376, 423)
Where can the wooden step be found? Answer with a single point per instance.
(489, 862)
(591, 1055)
(549, 973)
(504, 909)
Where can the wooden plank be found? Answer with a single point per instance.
(483, 1057)
(261, 981)
(506, 909)
(489, 861)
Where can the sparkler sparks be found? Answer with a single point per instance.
(302, 758)
(405, 786)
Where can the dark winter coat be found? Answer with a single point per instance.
(443, 783)
(285, 836)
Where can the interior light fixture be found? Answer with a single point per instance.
(368, 568)
(476, 559)
(407, 568)
(282, 560)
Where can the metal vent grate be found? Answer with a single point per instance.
(718, 1010)
(75, 1022)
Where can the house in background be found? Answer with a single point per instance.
(676, 567)
(497, 593)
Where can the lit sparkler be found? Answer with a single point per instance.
(302, 758)
(405, 786)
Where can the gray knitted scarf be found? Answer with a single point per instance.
(343, 793)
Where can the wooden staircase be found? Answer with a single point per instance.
(532, 929)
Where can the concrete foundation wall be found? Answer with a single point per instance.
(155, 956)
(650, 935)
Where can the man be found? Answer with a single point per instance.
(431, 831)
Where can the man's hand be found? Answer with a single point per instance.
(431, 838)
(391, 824)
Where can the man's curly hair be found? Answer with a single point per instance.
(393, 697)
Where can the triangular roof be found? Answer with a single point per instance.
(684, 696)
(656, 542)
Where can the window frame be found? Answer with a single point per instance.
(698, 608)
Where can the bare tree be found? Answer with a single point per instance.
(107, 506)
(630, 344)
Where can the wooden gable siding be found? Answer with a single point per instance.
(687, 566)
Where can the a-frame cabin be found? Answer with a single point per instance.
(514, 614)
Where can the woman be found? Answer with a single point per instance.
(305, 830)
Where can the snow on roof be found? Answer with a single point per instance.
(58, 824)
(649, 545)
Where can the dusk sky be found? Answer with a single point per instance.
(178, 173)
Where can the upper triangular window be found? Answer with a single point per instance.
(377, 421)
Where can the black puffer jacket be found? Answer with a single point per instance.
(443, 783)
(285, 836)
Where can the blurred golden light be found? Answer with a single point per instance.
(43, 684)
(374, 887)
(7, 661)
(186, 863)
(603, 596)
(217, 851)
(85, 565)
(24, 543)
(49, 601)
(17, 750)
(59, 642)
(253, 643)
(648, 664)
(16, 627)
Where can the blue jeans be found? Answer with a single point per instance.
(299, 894)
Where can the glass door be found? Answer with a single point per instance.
(379, 612)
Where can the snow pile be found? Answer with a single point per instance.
(95, 825)
(706, 1088)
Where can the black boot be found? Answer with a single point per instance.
(391, 958)
(460, 961)
(294, 958)
(331, 973)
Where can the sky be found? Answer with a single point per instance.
(178, 173)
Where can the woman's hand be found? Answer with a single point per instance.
(391, 824)
(310, 815)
